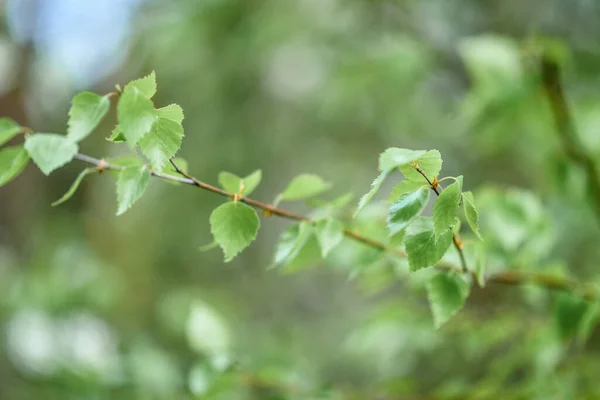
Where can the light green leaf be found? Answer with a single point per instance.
(569, 314)
(304, 186)
(447, 294)
(395, 157)
(146, 85)
(117, 135)
(162, 143)
(291, 242)
(430, 163)
(424, 249)
(74, 186)
(131, 185)
(403, 187)
(330, 233)
(8, 130)
(172, 112)
(87, 110)
(136, 115)
(251, 182)
(50, 151)
(446, 206)
(232, 183)
(471, 213)
(128, 160)
(374, 188)
(405, 209)
(13, 161)
(234, 226)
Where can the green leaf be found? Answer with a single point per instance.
(117, 135)
(425, 249)
(403, 187)
(251, 182)
(234, 226)
(569, 314)
(50, 151)
(304, 186)
(430, 163)
(291, 242)
(405, 209)
(447, 294)
(128, 160)
(446, 206)
(232, 183)
(146, 85)
(330, 233)
(131, 185)
(13, 161)
(471, 213)
(136, 115)
(87, 110)
(395, 157)
(172, 112)
(74, 186)
(374, 188)
(8, 130)
(162, 143)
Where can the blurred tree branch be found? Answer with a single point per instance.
(565, 127)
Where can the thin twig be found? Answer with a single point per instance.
(565, 127)
(458, 243)
(506, 278)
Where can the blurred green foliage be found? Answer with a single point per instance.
(96, 307)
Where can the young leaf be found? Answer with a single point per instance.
(8, 130)
(87, 110)
(232, 183)
(172, 112)
(430, 163)
(403, 187)
(13, 161)
(291, 242)
(136, 115)
(251, 182)
(374, 188)
(146, 85)
(131, 185)
(395, 157)
(234, 226)
(471, 213)
(446, 206)
(425, 249)
(405, 209)
(50, 151)
(447, 294)
(74, 186)
(304, 186)
(330, 233)
(162, 142)
(116, 135)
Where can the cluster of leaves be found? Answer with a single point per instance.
(157, 134)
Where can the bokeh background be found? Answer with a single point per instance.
(98, 307)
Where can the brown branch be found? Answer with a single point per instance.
(565, 127)
(458, 243)
(506, 278)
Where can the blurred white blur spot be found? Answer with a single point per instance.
(206, 331)
(30, 342)
(199, 380)
(294, 70)
(81, 343)
(88, 344)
